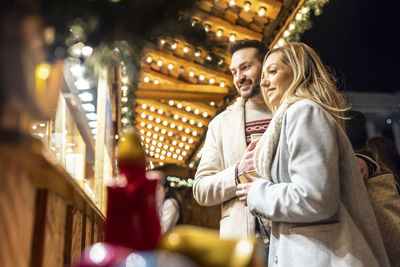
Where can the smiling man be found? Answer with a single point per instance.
(229, 137)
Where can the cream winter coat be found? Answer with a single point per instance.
(214, 183)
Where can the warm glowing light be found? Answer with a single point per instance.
(185, 49)
(146, 79)
(97, 253)
(191, 74)
(261, 11)
(85, 97)
(170, 66)
(149, 59)
(246, 6)
(219, 32)
(212, 80)
(286, 33)
(232, 37)
(222, 84)
(43, 71)
(202, 77)
(174, 46)
(159, 63)
(82, 84)
(87, 51)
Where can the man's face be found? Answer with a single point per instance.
(246, 71)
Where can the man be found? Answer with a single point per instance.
(227, 148)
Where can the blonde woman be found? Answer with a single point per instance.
(310, 187)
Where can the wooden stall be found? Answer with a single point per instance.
(45, 217)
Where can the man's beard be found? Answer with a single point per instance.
(255, 90)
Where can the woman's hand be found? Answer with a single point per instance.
(242, 189)
(247, 160)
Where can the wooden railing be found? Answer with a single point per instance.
(45, 217)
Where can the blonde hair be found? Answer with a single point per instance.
(311, 80)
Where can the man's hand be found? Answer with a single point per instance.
(247, 162)
(242, 189)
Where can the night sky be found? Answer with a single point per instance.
(360, 41)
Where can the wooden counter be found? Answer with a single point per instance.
(45, 217)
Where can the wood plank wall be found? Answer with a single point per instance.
(45, 219)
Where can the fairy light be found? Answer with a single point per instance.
(261, 11)
(149, 59)
(246, 6)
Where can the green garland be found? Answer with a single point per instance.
(302, 21)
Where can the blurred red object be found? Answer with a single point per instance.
(132, 218)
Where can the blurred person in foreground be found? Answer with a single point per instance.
(310, 182)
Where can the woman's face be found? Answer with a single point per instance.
(277, 78)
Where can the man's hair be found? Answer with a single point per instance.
(262, 49)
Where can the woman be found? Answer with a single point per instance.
(170, 210)
(312, 190)
(385, 153)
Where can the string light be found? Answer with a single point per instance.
(246, 6)
(261, 11)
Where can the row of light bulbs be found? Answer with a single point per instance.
(172, 125)
(247, 7)
(170, 66)
(163, 131)
(197, 52)
(178, 182)
(179, 105)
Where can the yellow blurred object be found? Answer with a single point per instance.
(244, 180)
(42, 73)
(130, 149)
(204, 247)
